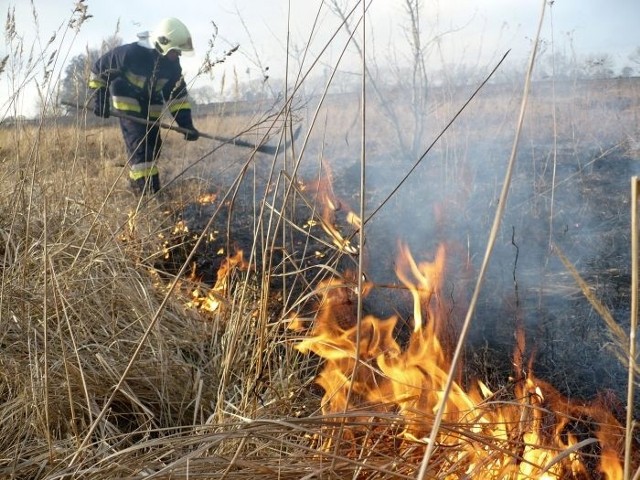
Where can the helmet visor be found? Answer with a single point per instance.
(166, 45)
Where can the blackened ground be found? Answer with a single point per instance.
(577, 201)
(588, 196)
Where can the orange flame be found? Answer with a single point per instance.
(537, 434)
(331, 204)
(207, 198)
(216, 295)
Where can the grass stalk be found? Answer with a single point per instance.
(632, 328)
(485, 262)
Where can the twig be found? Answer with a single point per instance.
(555, 128)
(598, 306)
(633, 326)
(565, 453)
(485, 262)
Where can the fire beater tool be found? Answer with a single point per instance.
(269, 150)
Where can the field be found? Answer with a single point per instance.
(138, 342)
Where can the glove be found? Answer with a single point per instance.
(102, 106)
(183, 118)
(191, 135)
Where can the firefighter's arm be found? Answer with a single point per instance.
(102, 72)
(180, 108)
(181, 111)
(101, 101)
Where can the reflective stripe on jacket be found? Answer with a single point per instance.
(141, 81)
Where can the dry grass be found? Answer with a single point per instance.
(107, 371)
(79, 294)
(84, 309)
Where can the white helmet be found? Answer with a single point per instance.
(172, 34)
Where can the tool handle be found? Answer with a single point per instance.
(231, 141)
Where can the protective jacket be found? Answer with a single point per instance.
(142, 83)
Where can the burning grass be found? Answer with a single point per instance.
(533, 432)
(214, 332)
(228, 328)
(84, 308)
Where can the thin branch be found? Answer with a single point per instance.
(485, 262)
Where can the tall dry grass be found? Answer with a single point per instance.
(84, 309)
(107, 372)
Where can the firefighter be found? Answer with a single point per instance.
(142, 79)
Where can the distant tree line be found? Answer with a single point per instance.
(560, 66)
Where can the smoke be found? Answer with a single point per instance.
(570, 189)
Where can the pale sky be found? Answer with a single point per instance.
(467, 30)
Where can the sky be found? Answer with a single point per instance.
(265, 31)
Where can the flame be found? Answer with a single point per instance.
(180, 228)
(207, 198)
(215, 297)
(537, 434)
(331, 205)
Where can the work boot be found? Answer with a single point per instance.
(145, 185)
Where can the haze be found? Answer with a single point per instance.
(452, 33)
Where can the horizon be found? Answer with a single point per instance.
(272, 42)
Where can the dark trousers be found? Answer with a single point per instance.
(143, 144)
